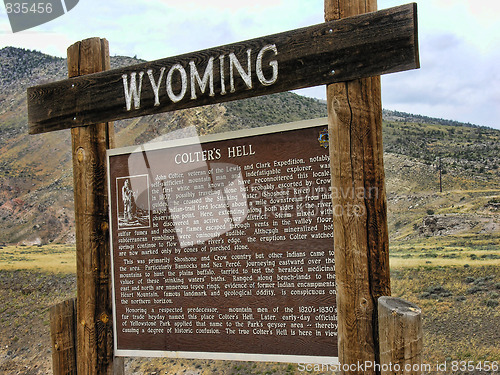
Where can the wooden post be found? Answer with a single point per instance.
(63, 337)
(89, 144)
(359, 205)
(440, 176)
(401, 339)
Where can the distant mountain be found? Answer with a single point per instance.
(36, 193)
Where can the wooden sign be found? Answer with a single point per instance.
(222, 247)
(355, 47)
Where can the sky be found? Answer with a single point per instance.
(459, 43)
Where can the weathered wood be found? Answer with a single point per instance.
(359, 197)
(337, 51)
(401, 338)
(63, 337)
(89, 144)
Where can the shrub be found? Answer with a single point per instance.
(492, 303)
(435, 292)
(483, 280)
(475, 289)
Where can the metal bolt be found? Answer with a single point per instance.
(80, 154)
(104, 318)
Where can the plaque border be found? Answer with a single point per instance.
(257, 357)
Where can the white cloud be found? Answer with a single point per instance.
(456, 81)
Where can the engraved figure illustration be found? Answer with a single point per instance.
(128, 197)
(133, 202)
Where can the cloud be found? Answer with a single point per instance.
(455, 81)
(159, 28)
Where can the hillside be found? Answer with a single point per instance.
(36, 197)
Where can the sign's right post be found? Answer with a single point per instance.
(360, 208)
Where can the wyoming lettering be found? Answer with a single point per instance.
(468, 366)
(132, 84)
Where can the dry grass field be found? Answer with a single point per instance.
(54, 258)
(456, 282)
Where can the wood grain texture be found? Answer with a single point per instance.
(89, 144)
(63, 337)
(337, 51)
(360, 231)
(401, 336)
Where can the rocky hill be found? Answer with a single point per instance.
(36, 196)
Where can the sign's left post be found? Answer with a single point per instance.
(89, 144)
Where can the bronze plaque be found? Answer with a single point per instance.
(222, 246)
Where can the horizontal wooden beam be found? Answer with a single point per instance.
(355, 47)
